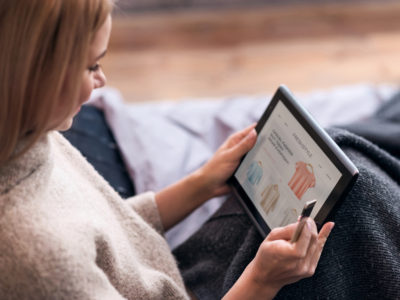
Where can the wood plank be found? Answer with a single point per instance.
(249, 51)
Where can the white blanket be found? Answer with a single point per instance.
(163, 141)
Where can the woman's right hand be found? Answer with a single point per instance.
(279, 262)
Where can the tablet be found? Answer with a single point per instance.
(294, 161)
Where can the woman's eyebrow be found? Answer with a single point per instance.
(101, 55)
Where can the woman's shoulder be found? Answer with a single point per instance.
(66, 156)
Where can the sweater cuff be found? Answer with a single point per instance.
(145, 205)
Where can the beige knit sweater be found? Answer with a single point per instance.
(65, 233)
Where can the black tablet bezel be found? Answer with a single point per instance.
(326, 144)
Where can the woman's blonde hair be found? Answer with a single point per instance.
(43, 54)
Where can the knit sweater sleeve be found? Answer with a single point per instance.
(145, 205)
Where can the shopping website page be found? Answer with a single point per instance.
(285, 169)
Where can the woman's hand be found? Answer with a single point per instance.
(279, 262)
(178, 200)
(220, 167)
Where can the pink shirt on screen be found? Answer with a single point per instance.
(302, 180)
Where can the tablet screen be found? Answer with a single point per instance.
(285, 169)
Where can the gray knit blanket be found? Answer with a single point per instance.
(361, 259)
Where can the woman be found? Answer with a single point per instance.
(64, 232)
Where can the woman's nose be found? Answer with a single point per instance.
(101, 79)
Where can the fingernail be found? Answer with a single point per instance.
(252, 134)
(309, 224)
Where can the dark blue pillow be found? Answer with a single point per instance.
(91, 135)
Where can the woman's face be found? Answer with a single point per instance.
(93, 77)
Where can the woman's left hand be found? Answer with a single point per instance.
(224, 162)
(178, 200)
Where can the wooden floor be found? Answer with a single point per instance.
(178, 55)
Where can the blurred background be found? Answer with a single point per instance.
(180, 49)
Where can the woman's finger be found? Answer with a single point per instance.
(322, 237)
(312, 251)
(239, 136)
(282, 233)
(308, 233)
(244, 146)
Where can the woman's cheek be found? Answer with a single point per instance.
(86, 90)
